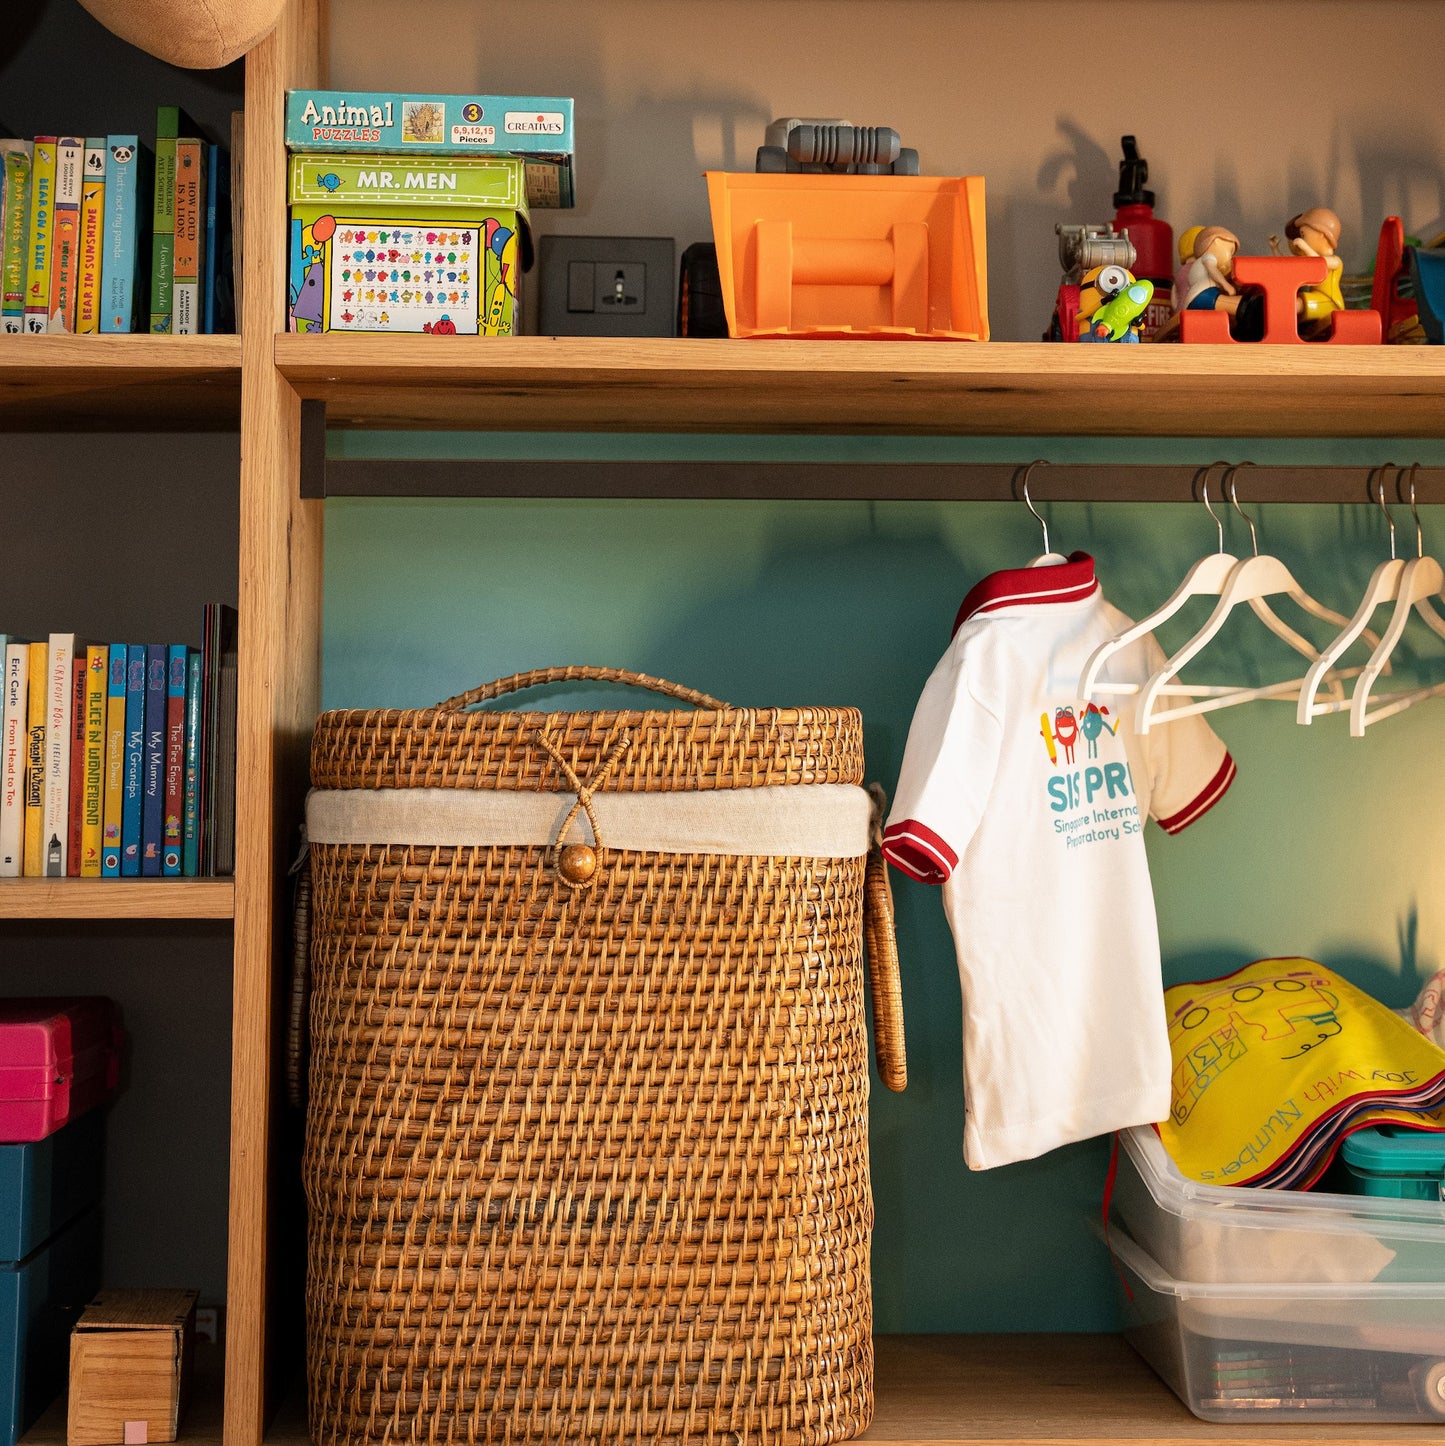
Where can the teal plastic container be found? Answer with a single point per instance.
(1390, 1160)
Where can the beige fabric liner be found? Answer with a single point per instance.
(824, 820)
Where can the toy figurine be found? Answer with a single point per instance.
(1316, 232)
(1083, 250)
(1207, 284)
(1186, 260)
(1112, 302)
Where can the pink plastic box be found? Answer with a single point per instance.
(58, 1058)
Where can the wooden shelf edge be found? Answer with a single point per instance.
(1021, 1390)
(136, 352)
(883, 388)
(117, 898)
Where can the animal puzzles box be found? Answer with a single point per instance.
(406, 243)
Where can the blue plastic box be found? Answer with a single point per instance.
(41, 1298)
(1389, 1160)
(45, 1185)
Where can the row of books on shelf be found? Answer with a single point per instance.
(110, 234)
(118, 760)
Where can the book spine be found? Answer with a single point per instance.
(92, 236)
(135, 707)
(153, 785)
(76, 791)
(12, 760)
(212, 240)
(16, 235)
(93, 775)
(65, 247)
(34, 858)
(191, 831)
(37, 251)
(175, 772)
(163, 219)
(119, 263)
(114, 762)
(56, 826)
(186, 257)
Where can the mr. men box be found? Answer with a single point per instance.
(406, 243)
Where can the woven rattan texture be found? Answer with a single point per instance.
(666, 750)
(586, 1166)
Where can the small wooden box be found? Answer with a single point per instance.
(130, 1358)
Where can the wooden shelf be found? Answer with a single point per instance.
(117, 899)
(1022, 1390)
(533, 383)
(120, 383)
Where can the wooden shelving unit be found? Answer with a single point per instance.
(589, 384)
(117, 899)
(120, 383)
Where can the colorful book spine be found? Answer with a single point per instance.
(153, 785)
(172, 840)
(191, 825)
(190, 204)
(114, 761)
(120, 263)
(92, 237)
(12, 760)
(34, 860)
(65, 247)
(212, 233)
(76, 794)
(60, 675)
(170, 120)
(92, 814)
(15, 233)
(135, 707)
(37, 248)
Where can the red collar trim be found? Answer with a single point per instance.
(1070, 581)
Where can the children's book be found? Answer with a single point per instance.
(126, 209)
(92, 816)
(219, 643)
(65, 245)
(42, 223)
(190, 829)
(153, 786)
(14, 233)
(92, 236)
(135, 707)
(114, 761)
(175, 778)
(13, 741)
(60, 686)
(76, 795)
(33, 866)
(189, 244)
(218, 290)
(171, 122)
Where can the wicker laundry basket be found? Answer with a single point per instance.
(586, 1143)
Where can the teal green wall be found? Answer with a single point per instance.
(1327, 846)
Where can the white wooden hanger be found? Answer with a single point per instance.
(1421, 581)
(1253, 581)
(1383, 587)
(1046, 558)
(1205, 578)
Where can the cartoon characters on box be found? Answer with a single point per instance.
(439, 278)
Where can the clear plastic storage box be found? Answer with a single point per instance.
(1337, 1350)
(1222, 1233)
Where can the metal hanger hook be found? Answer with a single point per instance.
(1234, 503)
(1385, 506)
(1202, 478)
(1411, 473)
(1029, 502)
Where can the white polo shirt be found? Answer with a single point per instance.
(1027, 805)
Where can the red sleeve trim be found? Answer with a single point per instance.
(1216, 788)
(914, 848)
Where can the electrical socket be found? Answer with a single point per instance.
(606, 286)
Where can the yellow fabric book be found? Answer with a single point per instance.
(1276, 1063)
(35, 762)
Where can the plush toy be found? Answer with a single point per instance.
(198, 34)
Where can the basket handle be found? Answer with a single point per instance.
(885, 984)
(536, 676)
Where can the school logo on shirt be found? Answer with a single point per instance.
(1095, 803)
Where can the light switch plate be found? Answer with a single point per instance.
(607, 286)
